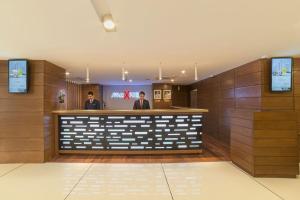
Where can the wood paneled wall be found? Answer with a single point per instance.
(275, 144)
(74, 95)
(241, 114)
(217, 94)
(25, 128)
(297, 95)
(241, 146)
(239, 88)
(54, 82)
(180, 95)
(226, 102)
(248, 89)
(21, 116)
(264, 143)
(161, 104)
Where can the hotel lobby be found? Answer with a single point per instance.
(171, 100)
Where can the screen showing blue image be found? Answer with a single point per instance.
(281, 74)
(17, 70)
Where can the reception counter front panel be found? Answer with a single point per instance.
(130, 131)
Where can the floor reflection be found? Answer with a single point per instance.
(132, 180)
(183, 179)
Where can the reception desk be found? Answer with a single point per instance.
(128, 131)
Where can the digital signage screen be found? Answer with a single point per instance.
(17, 76)
(281, 74)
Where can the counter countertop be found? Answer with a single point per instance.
(137, 112)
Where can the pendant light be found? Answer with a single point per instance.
(87, 75)
(196, 72)
(160, 73)
(123, 74)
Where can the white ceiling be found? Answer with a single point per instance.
(216, 34)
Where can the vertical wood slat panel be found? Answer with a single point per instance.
(55, 81)
(74, 95)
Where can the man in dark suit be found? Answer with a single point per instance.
(141, 103)
(91, 103)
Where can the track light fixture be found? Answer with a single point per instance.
(108, 22)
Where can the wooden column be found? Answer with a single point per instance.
(26, 122)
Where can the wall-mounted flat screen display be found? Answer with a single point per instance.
(281, 74)
(17, 76)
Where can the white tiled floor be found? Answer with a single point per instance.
(6, 168)
(207, 180)
(116, 181)
(217, 180)
(41, 181)
(284, 187)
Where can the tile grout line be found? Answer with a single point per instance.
(83, 175)
(268, 189)
(21, 165)
(162, 167)
(259, 183)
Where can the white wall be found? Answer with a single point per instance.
(121, 103)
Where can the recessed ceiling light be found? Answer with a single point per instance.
(130, 80)
(172, 80)
(183, 71)
(125, 72)
(108, 22)
(67, 73)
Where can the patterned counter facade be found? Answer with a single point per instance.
(130, 132)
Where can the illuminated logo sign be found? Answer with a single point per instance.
(125, 95)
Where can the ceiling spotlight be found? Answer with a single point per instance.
(172, 80)
(104, 15)
(130, 80)
(67, 73)
(183, 71)
(125, 72)
(108, 22)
